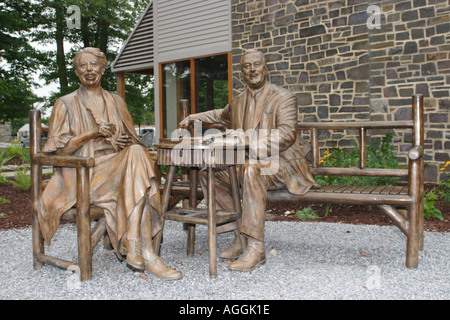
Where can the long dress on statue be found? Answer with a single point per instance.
(120, 179)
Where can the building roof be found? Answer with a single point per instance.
(137, 52)
(25, 127)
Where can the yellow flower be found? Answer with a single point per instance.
(445, 165)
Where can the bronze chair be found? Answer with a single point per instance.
(83, 213)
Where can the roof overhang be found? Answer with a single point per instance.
(136, 55)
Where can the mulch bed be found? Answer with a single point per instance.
(17, 213)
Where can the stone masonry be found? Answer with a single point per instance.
(5, 132)
(356, 60)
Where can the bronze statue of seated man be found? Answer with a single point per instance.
(269, 113)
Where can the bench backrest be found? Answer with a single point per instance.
(416, 125)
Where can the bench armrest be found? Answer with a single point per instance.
(62, 161)
(415, 153)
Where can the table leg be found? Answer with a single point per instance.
(192, 203)
(212, 223)
(165, 205)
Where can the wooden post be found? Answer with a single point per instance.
(121, 84)
(212, 223)
(315, 147)
(83, 222)
(362, 148)
(36, 179)
(183, 105)
(165, 204)
(192, 203)
(414, 241)
(183, 112)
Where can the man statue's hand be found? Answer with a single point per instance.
(187, 122)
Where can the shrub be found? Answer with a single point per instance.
(443, 190)
(4, 200)
(15, 150)
(22, 180)
(429, 210)
(306, 214)
(4, 158)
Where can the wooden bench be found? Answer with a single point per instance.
(388, 198)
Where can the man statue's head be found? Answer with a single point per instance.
(254, 68)
(90, 65)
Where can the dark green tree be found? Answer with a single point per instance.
(139, 97)
(104, 24)
(18, 59)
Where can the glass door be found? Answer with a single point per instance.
(176, 85)
(208, 89)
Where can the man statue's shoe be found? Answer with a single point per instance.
(253, 257)
(133, 252)
(159, 268)
(235, 250)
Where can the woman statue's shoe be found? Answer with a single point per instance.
(161, 269)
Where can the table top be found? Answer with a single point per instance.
(195, 153)
(199, 144)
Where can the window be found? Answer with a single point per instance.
(176, 85)
(208, 89)
(211, 79)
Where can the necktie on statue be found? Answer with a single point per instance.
(250, 112)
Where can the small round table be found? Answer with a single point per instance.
(190, 154)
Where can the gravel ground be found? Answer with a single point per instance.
(305, 261)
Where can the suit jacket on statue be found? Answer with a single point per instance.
(276, 108)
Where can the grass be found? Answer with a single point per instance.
(3, 200)
(22, 180)
(307, 213)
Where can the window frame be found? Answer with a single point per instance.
(194, 89)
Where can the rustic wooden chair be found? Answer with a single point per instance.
(83, 213)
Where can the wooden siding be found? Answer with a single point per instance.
(192, 28)
(137, 52)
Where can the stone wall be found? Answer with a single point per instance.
(5, 132)
(356, 60)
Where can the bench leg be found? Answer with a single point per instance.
(421, 218)
(413, 236)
